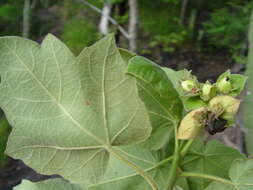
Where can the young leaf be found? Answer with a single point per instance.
(51, 184)
(213, 159)
(240, 174)
(67, 113)
(159, 95)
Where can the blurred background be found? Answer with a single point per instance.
(207, 37)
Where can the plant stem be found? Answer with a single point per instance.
(205, 176)
(186, 147)
(143, 173)
(173, 169)
(165, 161)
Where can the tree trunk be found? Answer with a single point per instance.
(105, 15)
(183, 11)
(248, 98)
(26, 18)
(133, 22)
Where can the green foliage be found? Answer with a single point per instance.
(90, 118)
(227, 29)
(240, 173)
(162, 25)
(8, 13)
(78, 33)
(10, 16)
(213, 159)
(4, 133)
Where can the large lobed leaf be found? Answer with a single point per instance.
(68, 112)
(213, 159)
(119, 176)
(160, 97)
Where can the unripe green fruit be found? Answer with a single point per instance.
(188, 85)
(224, 86)
(229, 105)
(208, 91)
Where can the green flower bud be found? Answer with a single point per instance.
(189, 86)
(224, 85)
(229, 105)
(192, 123)
(208, 91)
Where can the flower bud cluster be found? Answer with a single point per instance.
(206, 91)
(218, 110)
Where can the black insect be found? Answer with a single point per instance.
(215, 125)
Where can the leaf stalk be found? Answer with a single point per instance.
(143, 173)
(173, 170)
(205, 176)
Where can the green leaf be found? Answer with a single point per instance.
(119, 176)
(51, 184)
(219, 186)
(161, 134)
(160, 97)
(69, 112)
(213, 159)
(192, 103)
(240, 174)
(238, 82)
(126, 55)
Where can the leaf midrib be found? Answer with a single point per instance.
(107, 131)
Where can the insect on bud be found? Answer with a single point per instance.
(224, 85)
(192, 123)
(189, 85)
(208, 91)
(229, 105)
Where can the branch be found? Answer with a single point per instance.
(112, 20)
(26, 19)
(133, 22)
(106, 11)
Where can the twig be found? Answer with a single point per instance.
(112, 20)
(33, 4)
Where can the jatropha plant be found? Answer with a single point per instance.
(109, 119)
